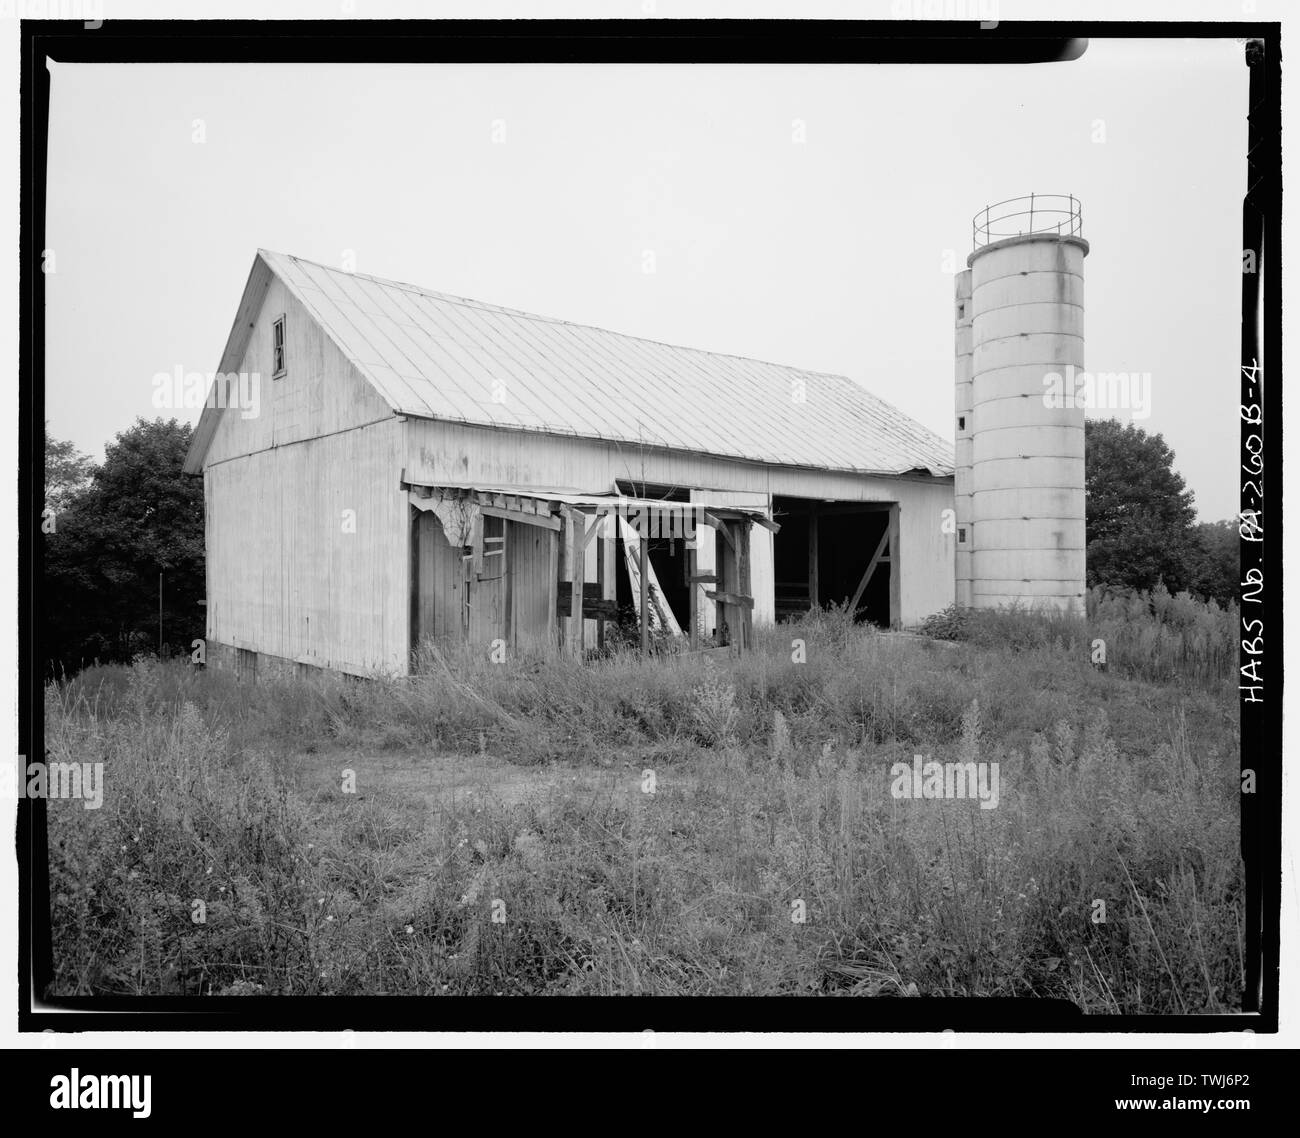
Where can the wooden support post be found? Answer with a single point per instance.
(643, 548)
(579, 577)
(693, 591)
(895, 570)
(600, 578)
(564, 561)
(814, 590)
(415, 587)
(728, 613)
(556, 541)
(466, 593)
(744, 613)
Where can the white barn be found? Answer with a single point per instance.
(424, 465)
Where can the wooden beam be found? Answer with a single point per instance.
(600, 580)
(563, 561)
(520, 516)
(602, 523)
(744, 602)
(693, 591)
(553, 584)
(733, 570)
(414, 617)
(738, 599)
(720, 524)
(895, 577)
(871, 568)
(579, 574)
(466, 576)
(644, 551)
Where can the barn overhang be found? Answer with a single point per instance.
(578, 520)
(653, 517)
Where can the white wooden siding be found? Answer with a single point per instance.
(320, 392)
(284, 575)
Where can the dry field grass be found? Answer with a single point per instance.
(672, 826)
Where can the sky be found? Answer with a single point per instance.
(808, 215)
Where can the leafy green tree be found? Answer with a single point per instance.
(139, 518)
(67, 472)
(1215, 563)
(1139, 510)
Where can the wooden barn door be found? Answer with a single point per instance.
(530, 568)
(488, 613)
(437, 585)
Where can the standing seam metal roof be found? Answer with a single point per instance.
(436, 356)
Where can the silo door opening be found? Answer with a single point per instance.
(837, 553)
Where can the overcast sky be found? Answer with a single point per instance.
(543, 187)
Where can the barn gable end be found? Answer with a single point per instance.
(306, 533)
(320, 393)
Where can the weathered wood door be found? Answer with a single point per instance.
(488, 584)
(437, 584)
(530, 568)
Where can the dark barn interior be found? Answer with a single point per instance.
(668, 557)
(836, 553)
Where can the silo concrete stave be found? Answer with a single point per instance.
(964, 421)
(1027, 531)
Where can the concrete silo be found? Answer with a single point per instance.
(965, 424)
(1020, 444)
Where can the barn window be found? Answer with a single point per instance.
(961, 535)
(277, 341)
(961, 422)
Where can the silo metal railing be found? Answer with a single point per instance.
(1059, 214)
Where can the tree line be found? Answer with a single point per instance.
(123, 549)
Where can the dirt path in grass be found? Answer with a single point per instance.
(449, 781)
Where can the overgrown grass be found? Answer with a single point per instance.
(1153, 635)
(771, 799)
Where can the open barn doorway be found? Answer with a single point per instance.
(667, 558)
(837, 553)
(668, 562)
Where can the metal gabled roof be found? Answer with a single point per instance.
(436, 356)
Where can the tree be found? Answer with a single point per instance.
(67, 472)
(139, 517)
(1214, 566)
(1139, 510)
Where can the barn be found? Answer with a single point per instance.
(423, 468)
